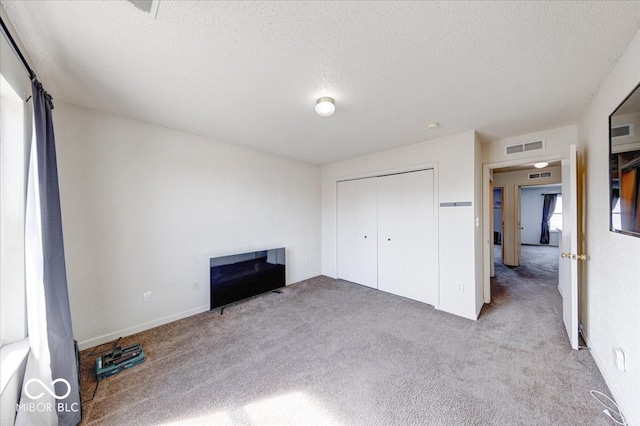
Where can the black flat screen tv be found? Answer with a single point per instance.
(241, 276)
(624, 163)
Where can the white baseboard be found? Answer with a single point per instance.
(614, 391)
(155, 323)
(138, 328)
(304, 277)
(478, 309)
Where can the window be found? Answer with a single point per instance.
(12, 215)
(616, 216)
(556, 220)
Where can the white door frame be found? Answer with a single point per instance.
(518, 216)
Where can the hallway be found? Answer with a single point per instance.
(535, 281)
(537, 263)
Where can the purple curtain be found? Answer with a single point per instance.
(548, 207)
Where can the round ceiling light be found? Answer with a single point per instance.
(325, 106)
(541, 165)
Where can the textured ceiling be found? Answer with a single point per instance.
(249, 73)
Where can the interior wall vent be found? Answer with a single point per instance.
(514, 148)
(149, 6)
(540, 175)
(524, 147)
(534, 146)
(622, 131)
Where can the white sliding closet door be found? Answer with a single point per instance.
(357, 231)
(392, 234)
(386, 234)
(367, 232)
(420, 257)
(406, 236)
(346, 224)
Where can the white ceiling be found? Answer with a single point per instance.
(249, 73)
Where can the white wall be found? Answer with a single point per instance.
(610, 291)
(145, 207)
(557, 143)
(454, 160)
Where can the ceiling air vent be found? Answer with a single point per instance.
(540, 175)
(621, 131)
(149, 6)
(524, 147)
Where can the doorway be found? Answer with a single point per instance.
(497, 224)
(524, 245)
(540, 227)
(504, 182)
(518, 200)
(567, 277)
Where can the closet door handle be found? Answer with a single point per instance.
(388, 239)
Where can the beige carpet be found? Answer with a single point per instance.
(330, 352)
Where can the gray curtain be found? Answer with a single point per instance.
(51, 376)
(548, 207)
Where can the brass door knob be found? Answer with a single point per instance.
(573, 256)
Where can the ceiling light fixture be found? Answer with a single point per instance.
(149, 6)
(541, 165)
(432, 126)
(325, 106)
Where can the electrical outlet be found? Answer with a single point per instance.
(146, 297)
(196, 285)
(619, 359)
(460, 287)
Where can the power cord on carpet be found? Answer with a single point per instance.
(113, 343)
(93, 351)
(609, 411)
(95, 390)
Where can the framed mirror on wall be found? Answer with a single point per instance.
(624, 166)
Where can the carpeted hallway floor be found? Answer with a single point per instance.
(327, 351)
